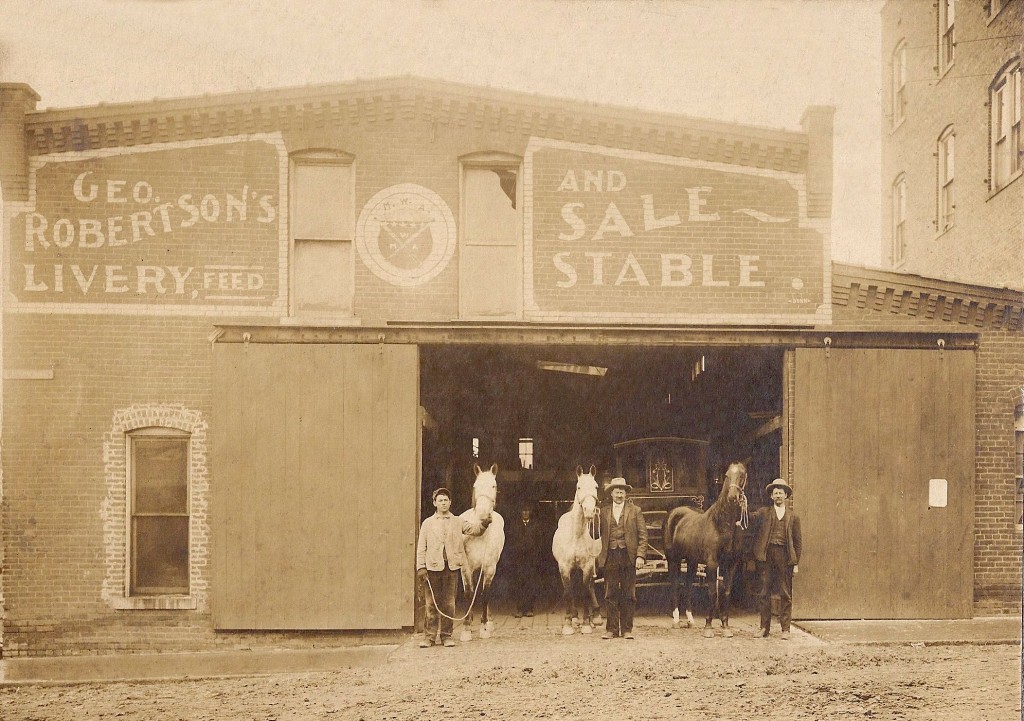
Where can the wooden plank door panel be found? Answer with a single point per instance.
(316, 485)
(871, 427)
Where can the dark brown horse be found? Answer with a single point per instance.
(714, 538)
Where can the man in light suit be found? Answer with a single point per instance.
(623, 550)
(777, 547)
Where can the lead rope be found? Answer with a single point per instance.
(479, 578)
(433, 599)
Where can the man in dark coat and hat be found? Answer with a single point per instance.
(525, 545)
(777, 547)
(623, 549)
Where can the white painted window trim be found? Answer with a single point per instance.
(898, 84)
(899, 221)
(329, 157)
(168, 601)
(945, 177)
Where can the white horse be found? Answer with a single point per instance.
(576, 546)
(482, 549)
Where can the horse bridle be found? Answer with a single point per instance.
(594, 524)
(744, 520)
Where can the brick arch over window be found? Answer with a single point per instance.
(114, 507)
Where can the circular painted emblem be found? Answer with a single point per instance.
(406, 234)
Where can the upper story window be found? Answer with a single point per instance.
(158, 463)
(490, 257)
(1005, 105)
(322, 230)
(899, 220)
(899, 83)
(947, 34)
(947, 197)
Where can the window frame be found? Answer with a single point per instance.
(320, 157)
(945, 217)
(154, 433)
(490, 160)
(898, 83)
(1007, 80)
(899, 220)
(946, 35)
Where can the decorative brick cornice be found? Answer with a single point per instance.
(885, 291)
(380, 101)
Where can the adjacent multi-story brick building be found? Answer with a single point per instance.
(244, 335)
(952, 152)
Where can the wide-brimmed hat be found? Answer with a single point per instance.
(438, 491)
(618, 482)
(779, 483)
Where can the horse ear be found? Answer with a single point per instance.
(593, 470)
(476, 469)
(579, 471)
(494, 468)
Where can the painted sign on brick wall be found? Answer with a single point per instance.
(621, 235)
(196, 225)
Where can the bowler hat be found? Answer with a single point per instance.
(438, 491)
(618, 482)
(779, 483)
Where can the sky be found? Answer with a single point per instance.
(760, 62)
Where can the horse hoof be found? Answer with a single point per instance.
(568, 630)
(727, 632)
(676, 624)
(597, 621)
(576, 623)
(489, 626)
(466, 635)
(586, 628)
(485, 632)
(708, 633)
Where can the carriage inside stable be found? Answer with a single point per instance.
(665, 472)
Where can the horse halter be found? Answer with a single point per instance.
(744, 520)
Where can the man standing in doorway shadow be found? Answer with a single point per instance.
(623, 550)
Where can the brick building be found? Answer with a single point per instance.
(245, 335)
(952, 152)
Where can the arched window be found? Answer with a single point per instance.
(1005, 106)
(947, 34)
(899, 219)
(946, 193)
(899, 82)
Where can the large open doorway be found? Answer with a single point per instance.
(541, 411)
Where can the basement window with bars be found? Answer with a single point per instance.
(158, 538)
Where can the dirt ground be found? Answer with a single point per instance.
(528, 670)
